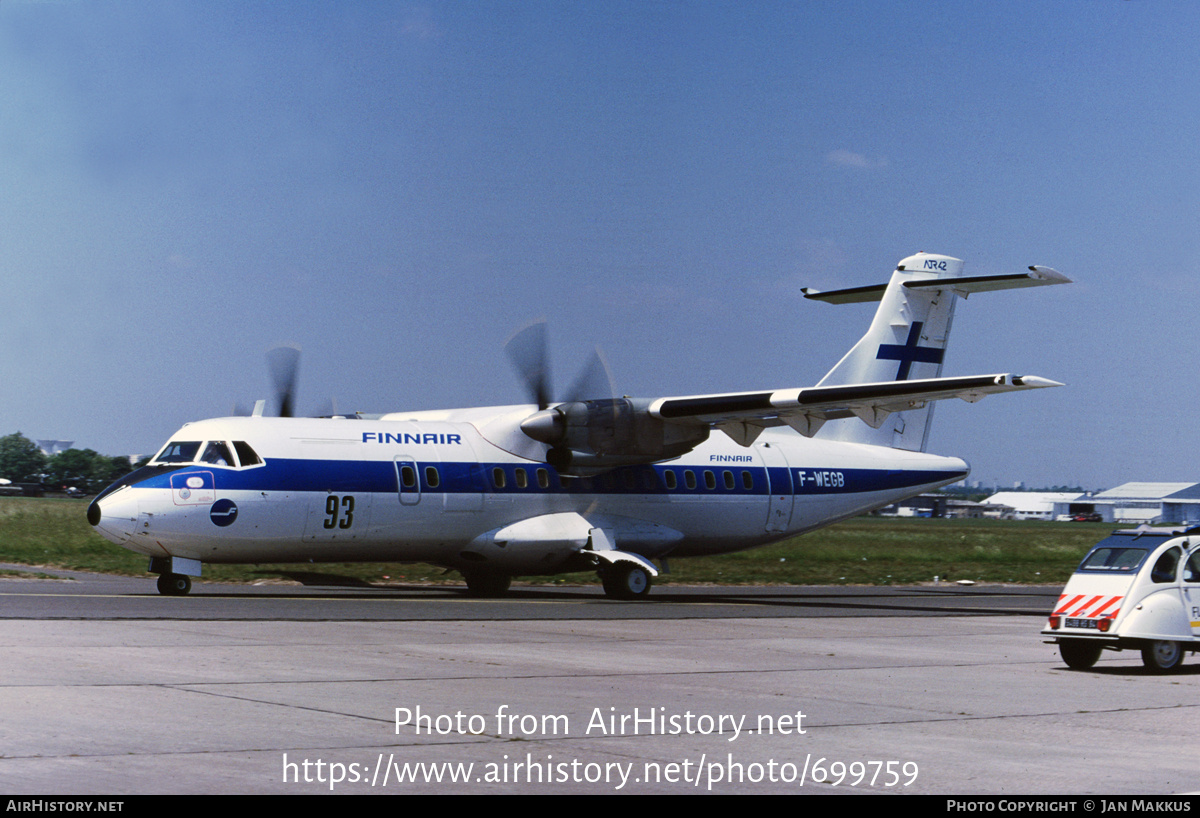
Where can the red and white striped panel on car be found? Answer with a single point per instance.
(1084, 606)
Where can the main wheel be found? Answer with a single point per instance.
(174, 584)
(1162, 656)
(1079, 654)
(487, 585)
(626, 581)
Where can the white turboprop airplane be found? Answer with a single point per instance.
(601, 484)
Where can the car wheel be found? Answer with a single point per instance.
(1162, 656)
(1079, 654)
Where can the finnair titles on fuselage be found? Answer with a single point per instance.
(593, 483)
(408, 438)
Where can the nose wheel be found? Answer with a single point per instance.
(174, 584)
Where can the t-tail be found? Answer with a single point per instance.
(907, 339)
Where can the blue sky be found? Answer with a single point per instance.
(396, 187)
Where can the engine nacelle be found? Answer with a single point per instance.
(587, 436)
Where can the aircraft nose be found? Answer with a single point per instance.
(114, 512)
(114, 515)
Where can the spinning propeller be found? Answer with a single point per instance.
(284, 363)
(588, 433)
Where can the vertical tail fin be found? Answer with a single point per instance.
(907, 339)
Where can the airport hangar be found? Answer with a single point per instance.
(1133, 503)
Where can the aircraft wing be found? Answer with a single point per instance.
(743, 415)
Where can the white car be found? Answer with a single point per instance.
(1135, 590)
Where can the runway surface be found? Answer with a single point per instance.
(111, 689)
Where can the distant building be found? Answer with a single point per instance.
(1037, 505)
(1139, 502)
(50, 447)
(941, 505)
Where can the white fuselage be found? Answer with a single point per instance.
(449, 489)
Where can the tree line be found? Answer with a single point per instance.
(21, 461)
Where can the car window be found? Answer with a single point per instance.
(1191, 571)
(1122, 560)
(1164, 566)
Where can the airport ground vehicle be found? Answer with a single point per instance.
(1135, 590)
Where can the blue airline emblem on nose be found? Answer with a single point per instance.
(223, 512)
(909, 353)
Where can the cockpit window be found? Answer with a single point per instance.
(217, 453)
(178, 451)
(213, 452)
(246, 455)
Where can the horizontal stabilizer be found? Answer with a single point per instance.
(806, 409)
(963, 285)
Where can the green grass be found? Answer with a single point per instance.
(862, 551)
(887, 551)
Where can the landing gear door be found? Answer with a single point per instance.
(779, 484)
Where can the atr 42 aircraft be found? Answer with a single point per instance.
(590, 483)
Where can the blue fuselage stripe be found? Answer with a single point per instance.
(454, 477)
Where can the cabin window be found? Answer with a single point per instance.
(730, 483)
(671, 480)
(408, 477)
(498, 477)
(689, 478)
(747, 480)
(522, 479)
(710, 480)
(432, 478)
(543, 477)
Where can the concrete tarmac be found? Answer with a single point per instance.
(858, 699)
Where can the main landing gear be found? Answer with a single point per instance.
(624, 581)
(485, 586)
(627, 582)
